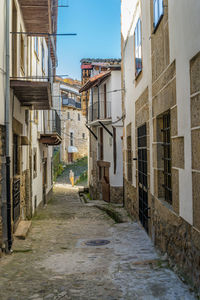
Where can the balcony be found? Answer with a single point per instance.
(33, 93)
(39, 16)
(32, 79)
(99, 111)
(50, 132)
(71, 103)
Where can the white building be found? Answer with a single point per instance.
(29, 125)
(105, 125)
(160, 71)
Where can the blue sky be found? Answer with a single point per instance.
(97, 24)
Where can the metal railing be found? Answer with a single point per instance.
(71, 102)
(56, 123)
(51, 123)
(99, 111)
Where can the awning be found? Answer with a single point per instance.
(97, 79)
(72, 149)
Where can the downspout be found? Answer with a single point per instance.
(7, 124)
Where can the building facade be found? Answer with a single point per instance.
(74, 131)
(29, 125)
(160, 81)
(104, 122)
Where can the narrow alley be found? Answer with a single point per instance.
(56, 262)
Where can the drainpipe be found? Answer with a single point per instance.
(7, 123)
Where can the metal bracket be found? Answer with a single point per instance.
(90, 130)
(106, 128)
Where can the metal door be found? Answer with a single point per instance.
(142, 176)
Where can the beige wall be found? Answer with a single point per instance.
(78, 128)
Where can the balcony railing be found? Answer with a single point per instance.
(50, 129)
(71, 102)
(99, 111)
(56, 126)
(51, 123)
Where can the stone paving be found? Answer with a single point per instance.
(54, 262)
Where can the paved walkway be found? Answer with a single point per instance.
(54, 263)
(78, 168)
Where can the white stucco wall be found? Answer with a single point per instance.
(114, 98)
(131, 11)
(184, 32)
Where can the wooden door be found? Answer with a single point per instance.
(106, 184)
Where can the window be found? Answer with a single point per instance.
(71, 139)
(34, 162)
(167, 185)
(114, 150)
(83, 136)
(101, 146)
(158, 11)
(138, 48)
(68, 115)
(105, 102)
(36, 48)
(43, 59)
(129, 159)
(22, 52)
(79, 117)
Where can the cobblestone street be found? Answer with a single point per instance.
(55, 263)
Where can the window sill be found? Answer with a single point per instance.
(157, 25)
(167, 205)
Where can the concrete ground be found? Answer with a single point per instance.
(55, 262)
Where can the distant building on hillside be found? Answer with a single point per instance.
(74, 131)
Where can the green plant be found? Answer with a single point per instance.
(57, 166)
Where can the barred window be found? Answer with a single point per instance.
(167, 185)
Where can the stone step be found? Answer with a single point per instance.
(22, 230)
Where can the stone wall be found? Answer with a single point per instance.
(73, 124)
(116, 194)
(178, 239)
(2, 153)
(131, 199)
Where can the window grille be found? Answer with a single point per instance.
(167, 158)
(129, 159)
(71, 139)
